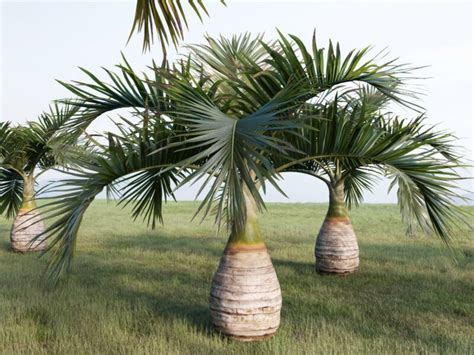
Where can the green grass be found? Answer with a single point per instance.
(133, 290)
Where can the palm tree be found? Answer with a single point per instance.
(23, 151)
(149, 158)
(425, 194)
(353, 144)
(220, 113)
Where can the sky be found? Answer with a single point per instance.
(44, 41)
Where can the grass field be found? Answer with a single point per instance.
(133, 290)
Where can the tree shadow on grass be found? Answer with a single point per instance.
(5, 246)
(172, 290)
(385, 302)
(161, 242)
(184, 300)
(177, 292)
(357, 301)
(460, 256)
(397, 301)
(5, 236)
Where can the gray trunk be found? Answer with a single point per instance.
(337, 251)
(245, 301)
(26, 226)
(336, 248)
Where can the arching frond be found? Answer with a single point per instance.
(125, 163)
(125, 89)
(50, 144)
(232, 151)
(11, 189)
(327, 69)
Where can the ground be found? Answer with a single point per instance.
(136, 290)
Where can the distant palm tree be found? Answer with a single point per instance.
(219, 115)
(26, 152)
(351, 146)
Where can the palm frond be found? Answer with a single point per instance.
(225, 58)
(249, 72)
(38, 143)
(5, 133)
(125, 89)
(231, 150)
(325, 70)
(442, 142)
(16, 149)
(49, 143)
(126, 164)
(51, 122)
(11, 191)
(166, 18)
(426, 193)
(356, 183)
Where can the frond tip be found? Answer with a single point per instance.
(165, 18)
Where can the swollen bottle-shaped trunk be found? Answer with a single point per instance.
(28, 223)
(337, 251)
(245, 300)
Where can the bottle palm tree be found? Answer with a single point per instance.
(152, 157)
(26, 152)
(200, 140)
(353, 144)
(220, 112)
(426, 186)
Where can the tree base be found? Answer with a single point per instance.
(26, 226)
(336, 251)
(340, 274)
(245, 300)
(249, 339)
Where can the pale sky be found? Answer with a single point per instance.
(43, 41)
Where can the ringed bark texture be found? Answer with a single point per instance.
(245, 300)
(26, 226)
(336, 251)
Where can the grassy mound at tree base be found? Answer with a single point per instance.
(133, 290)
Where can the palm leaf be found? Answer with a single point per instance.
(11, 192)
(359, 181)
(166, 18)
(125, 89)
(325, 70)
(232, 151)
(125, 163)
(5, 134)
